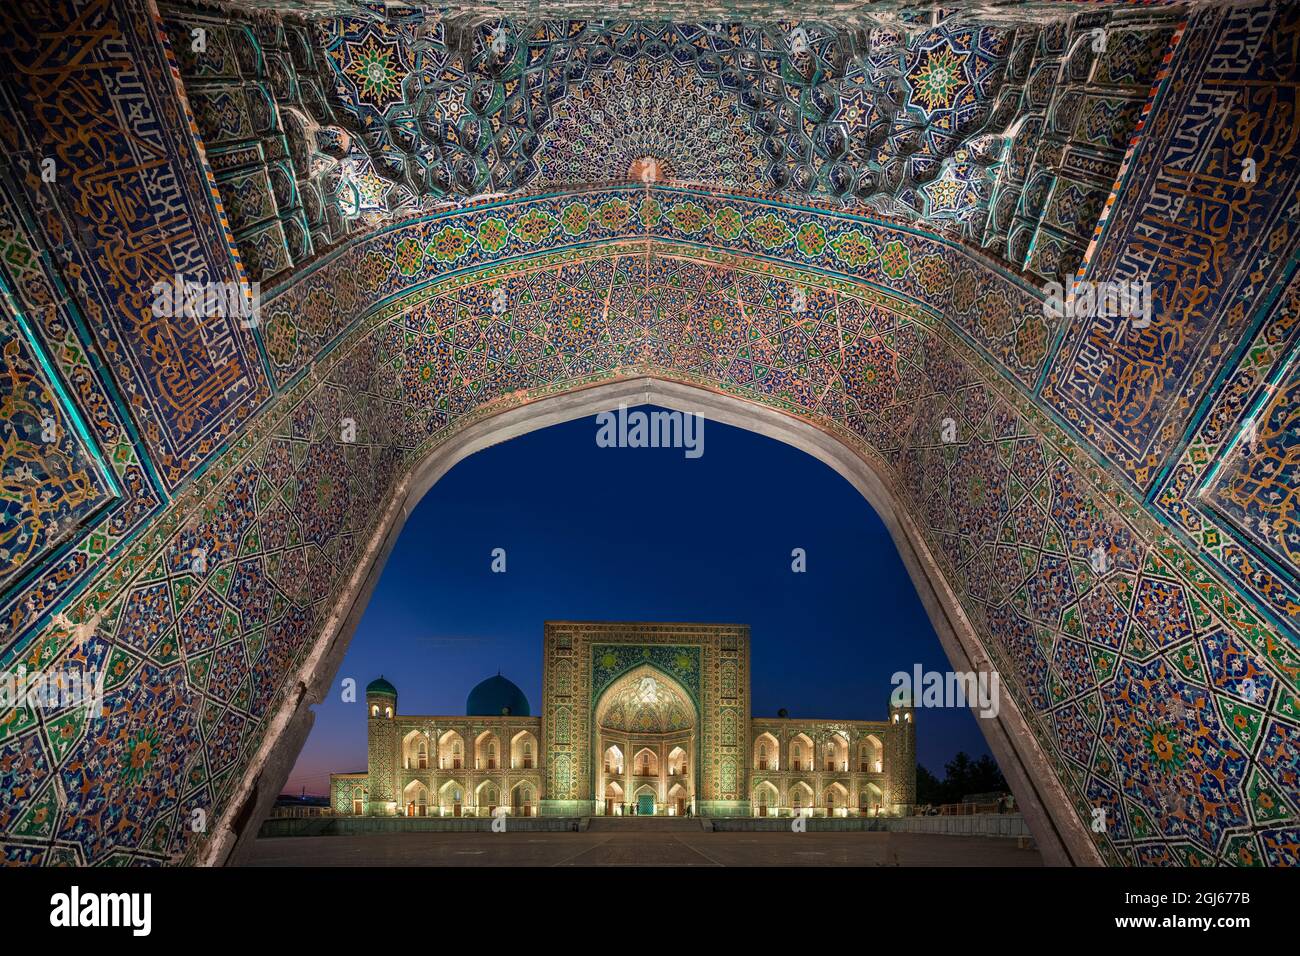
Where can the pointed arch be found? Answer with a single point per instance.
(451, 751)
(645, 762)
(802, 753)
(835, 752)
(767, 752)
(871, 755)
(835, 798)
(523, 751)
(800, 796)
(451, 798)
(1047, 807)
(415, 799)
(415, 750)
(765, 798)
(487, 751)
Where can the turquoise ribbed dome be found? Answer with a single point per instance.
(381, 686)
(494, 697)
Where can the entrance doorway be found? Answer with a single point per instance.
(645, 805)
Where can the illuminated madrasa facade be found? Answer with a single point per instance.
(644, 719)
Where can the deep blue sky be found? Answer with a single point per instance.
(640, 534)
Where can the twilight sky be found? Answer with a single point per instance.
(640, 534)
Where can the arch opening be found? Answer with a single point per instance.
(1042, 798)
(647, 714)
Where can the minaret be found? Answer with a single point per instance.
(381, 708)
(900, 770)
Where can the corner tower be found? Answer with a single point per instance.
(381, 747)
(901, 756)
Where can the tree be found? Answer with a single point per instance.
(928, 787)
(962, 777)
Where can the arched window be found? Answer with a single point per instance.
(762, 758)
(388, 712)
(374, 710)
(422, 756)
(492, 756)
(796, 757)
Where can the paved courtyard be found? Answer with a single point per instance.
(639, 848)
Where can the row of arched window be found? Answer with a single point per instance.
(834, 755)
(645, 762)
(451, 802)
(835, 799)
(451, 752)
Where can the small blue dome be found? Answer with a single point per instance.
(494, 697)
(381, 686)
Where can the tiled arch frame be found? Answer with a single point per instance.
(1121, 719)
(1062, 837)
(1120, 677)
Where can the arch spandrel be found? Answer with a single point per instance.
(995, 308)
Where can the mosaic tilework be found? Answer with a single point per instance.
(189, 387)
(65, 509)
(704, 667)
(610, 661)
(855, 12)
(598, 131)
(1256, 486)
(1047, 605)
(1003, 315)
(879, 373)
(1221, 253)
(1207, 234)
(1083, 85)
(448, 110)
(54, 481)
(1156, 689)
(269, 133)
(1006, 131)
